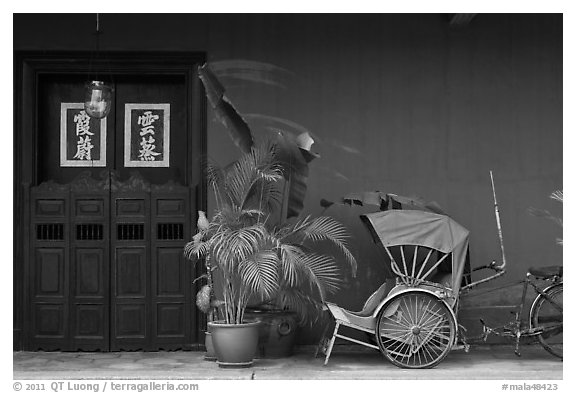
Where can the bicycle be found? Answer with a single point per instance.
(545, 317)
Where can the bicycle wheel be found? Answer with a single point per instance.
(545, 315)
(415, 330)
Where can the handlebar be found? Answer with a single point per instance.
(492, 265)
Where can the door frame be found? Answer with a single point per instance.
(29, 68)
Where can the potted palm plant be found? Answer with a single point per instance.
(258, 256)
(233, 243)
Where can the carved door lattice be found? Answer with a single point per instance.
(107, 270)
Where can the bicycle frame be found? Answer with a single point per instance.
(515, 328)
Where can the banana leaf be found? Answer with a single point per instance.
(294, 153)
(225, 111)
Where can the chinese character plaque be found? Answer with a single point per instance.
(147, 135)
(82, 138)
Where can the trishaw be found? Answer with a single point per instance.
(414, 322)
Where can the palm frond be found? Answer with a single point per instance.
(231, 246)
(264, 194)
(272, 195)
(195, 250)
(251, 212)
(558, 195)
(215, 173)
(260, 273)
(317, 272)
(246, 174)
(289, 258)
(545, 214)
(326, 228)
(325, 272)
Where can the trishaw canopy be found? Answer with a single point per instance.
(422, 228)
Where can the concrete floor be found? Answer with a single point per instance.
(482, 363)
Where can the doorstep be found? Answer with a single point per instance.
(346, 362)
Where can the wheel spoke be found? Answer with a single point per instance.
(431, 321)
(402, 319)
(397, 321)
(426, 349)
(438, 333)
(411, 321)
(398, 336)
(424, 314)
(418, 352)
(397, 349)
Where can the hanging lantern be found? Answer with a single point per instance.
(98, 99)
(98, 95)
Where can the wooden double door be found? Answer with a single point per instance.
(105, 269)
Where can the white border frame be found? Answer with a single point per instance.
(64, 162)
(128, 136)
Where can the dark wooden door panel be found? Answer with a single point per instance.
(130, 240)
(90, 327)
(130, 327)
(50, 326)
(130, 207)
(49, 268)
(90, 277)
(171, 273)
(90, 318)
(50, 208)
(50, 271)
(90, 208)
(171, 321)
(90, 264)
(130, 273)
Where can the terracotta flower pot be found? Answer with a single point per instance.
(235, 345)
(210, 354)
(277, 331)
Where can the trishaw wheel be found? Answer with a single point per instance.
(415, 330)
(546, 316)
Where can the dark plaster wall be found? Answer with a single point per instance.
(399, 103)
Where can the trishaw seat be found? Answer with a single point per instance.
(363, 318)
(546, 271)
(373, 301)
